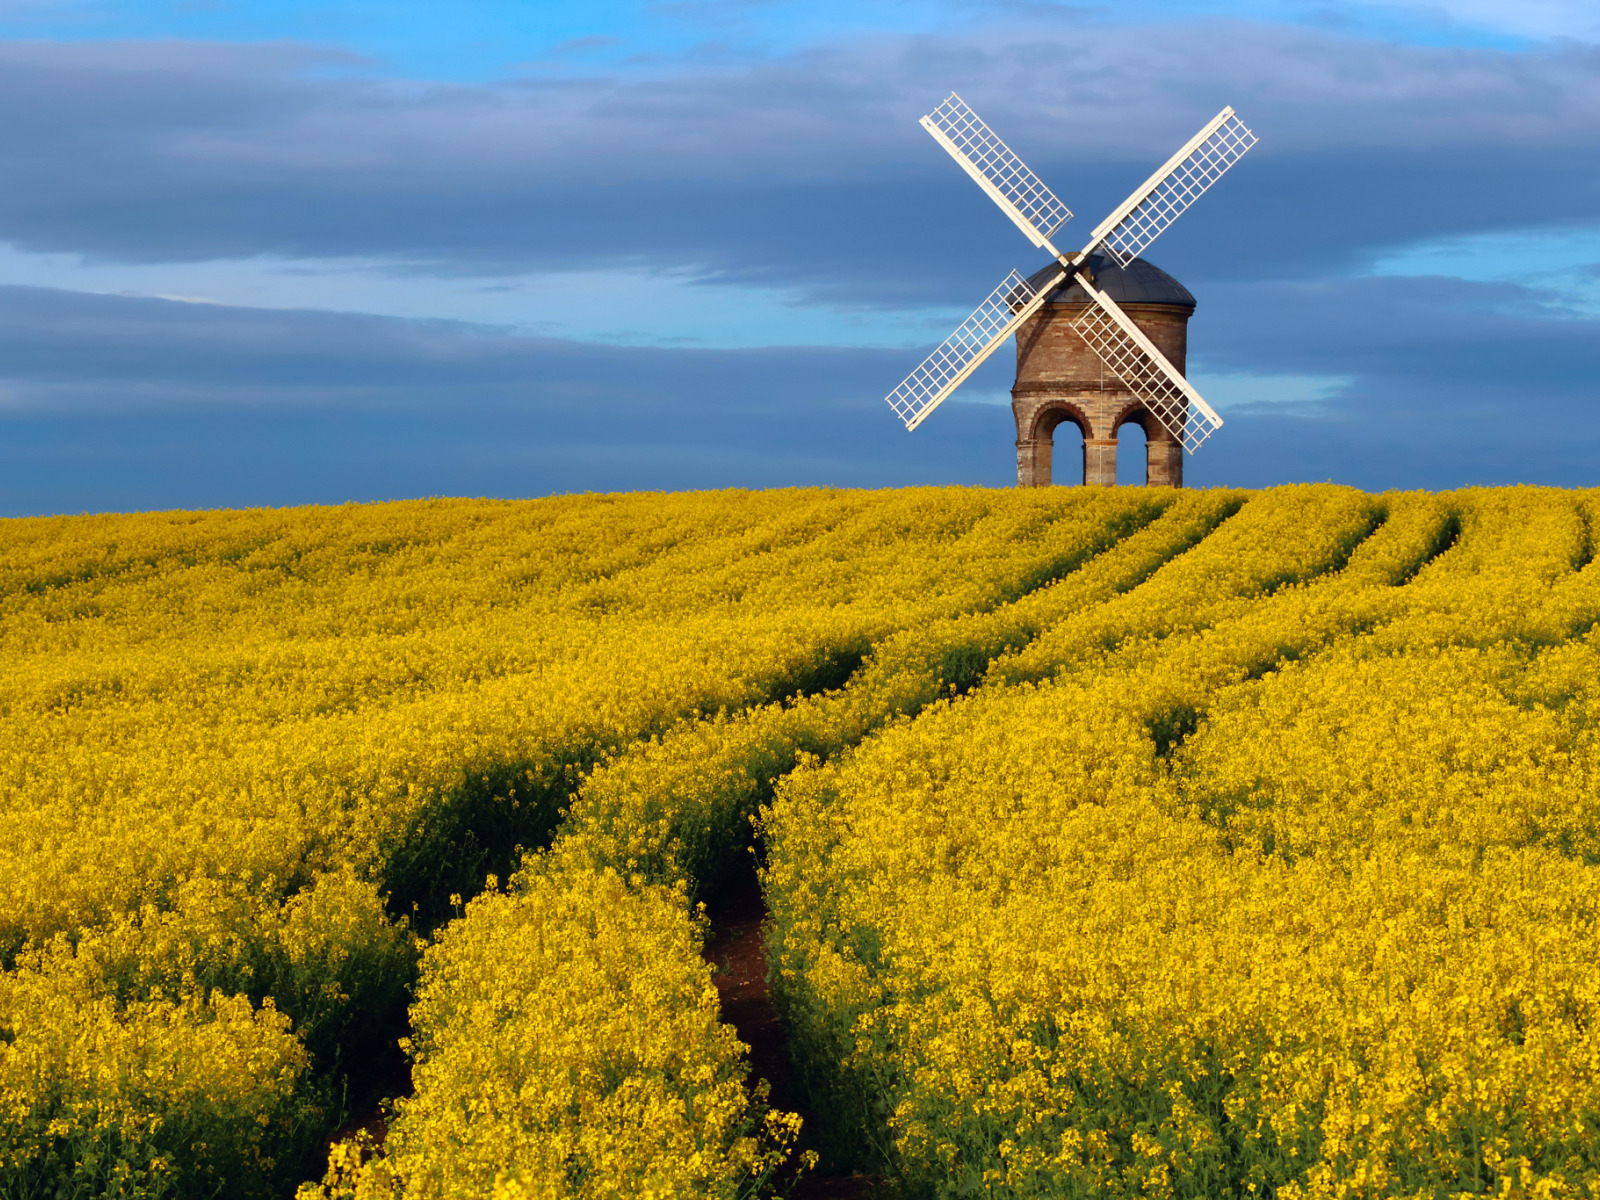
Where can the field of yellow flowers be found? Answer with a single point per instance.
(1116, 842)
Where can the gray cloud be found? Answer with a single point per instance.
(111, 402)
(1451, 384)
(807, 169)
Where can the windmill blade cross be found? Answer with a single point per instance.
(1006, 179)
(960, 354)
(1120, 344)
(1134, 358)
(1179, 182)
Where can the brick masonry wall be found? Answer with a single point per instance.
(1060, 379)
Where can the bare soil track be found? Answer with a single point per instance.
(734, 950)
(373, 1089)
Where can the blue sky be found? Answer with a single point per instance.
(276, 253)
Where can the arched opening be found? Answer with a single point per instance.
(1132, 460)
(1058, 438)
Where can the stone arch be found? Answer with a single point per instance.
(1133, 446)
(1056, 364)
(1055, 413)
(1036, 439)
(1163, 452)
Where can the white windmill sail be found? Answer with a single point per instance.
(1005, 178)
(1124, 348)
(1179, 182)
(1133, 358)
(960, 354)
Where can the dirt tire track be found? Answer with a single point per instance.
(734, 951)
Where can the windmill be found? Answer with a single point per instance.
(1122, 351)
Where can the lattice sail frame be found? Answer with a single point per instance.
(1177, 184)
(1124, 348)
(1006, 179)
(960, 354)
(1133, 358)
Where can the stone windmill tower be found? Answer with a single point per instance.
(1081, 355)
(1060, 380)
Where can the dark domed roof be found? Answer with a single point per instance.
(1137, 283)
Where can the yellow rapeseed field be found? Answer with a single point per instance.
(1116, 842)
(1196, 896)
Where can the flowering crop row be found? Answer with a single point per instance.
(1119, 842)
(653, 824)
(568, 1044)
(238, 750)
(672, 811)
(1275, 875)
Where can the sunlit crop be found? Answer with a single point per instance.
(1116, 842)
(247, 758)
(1294, 896)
